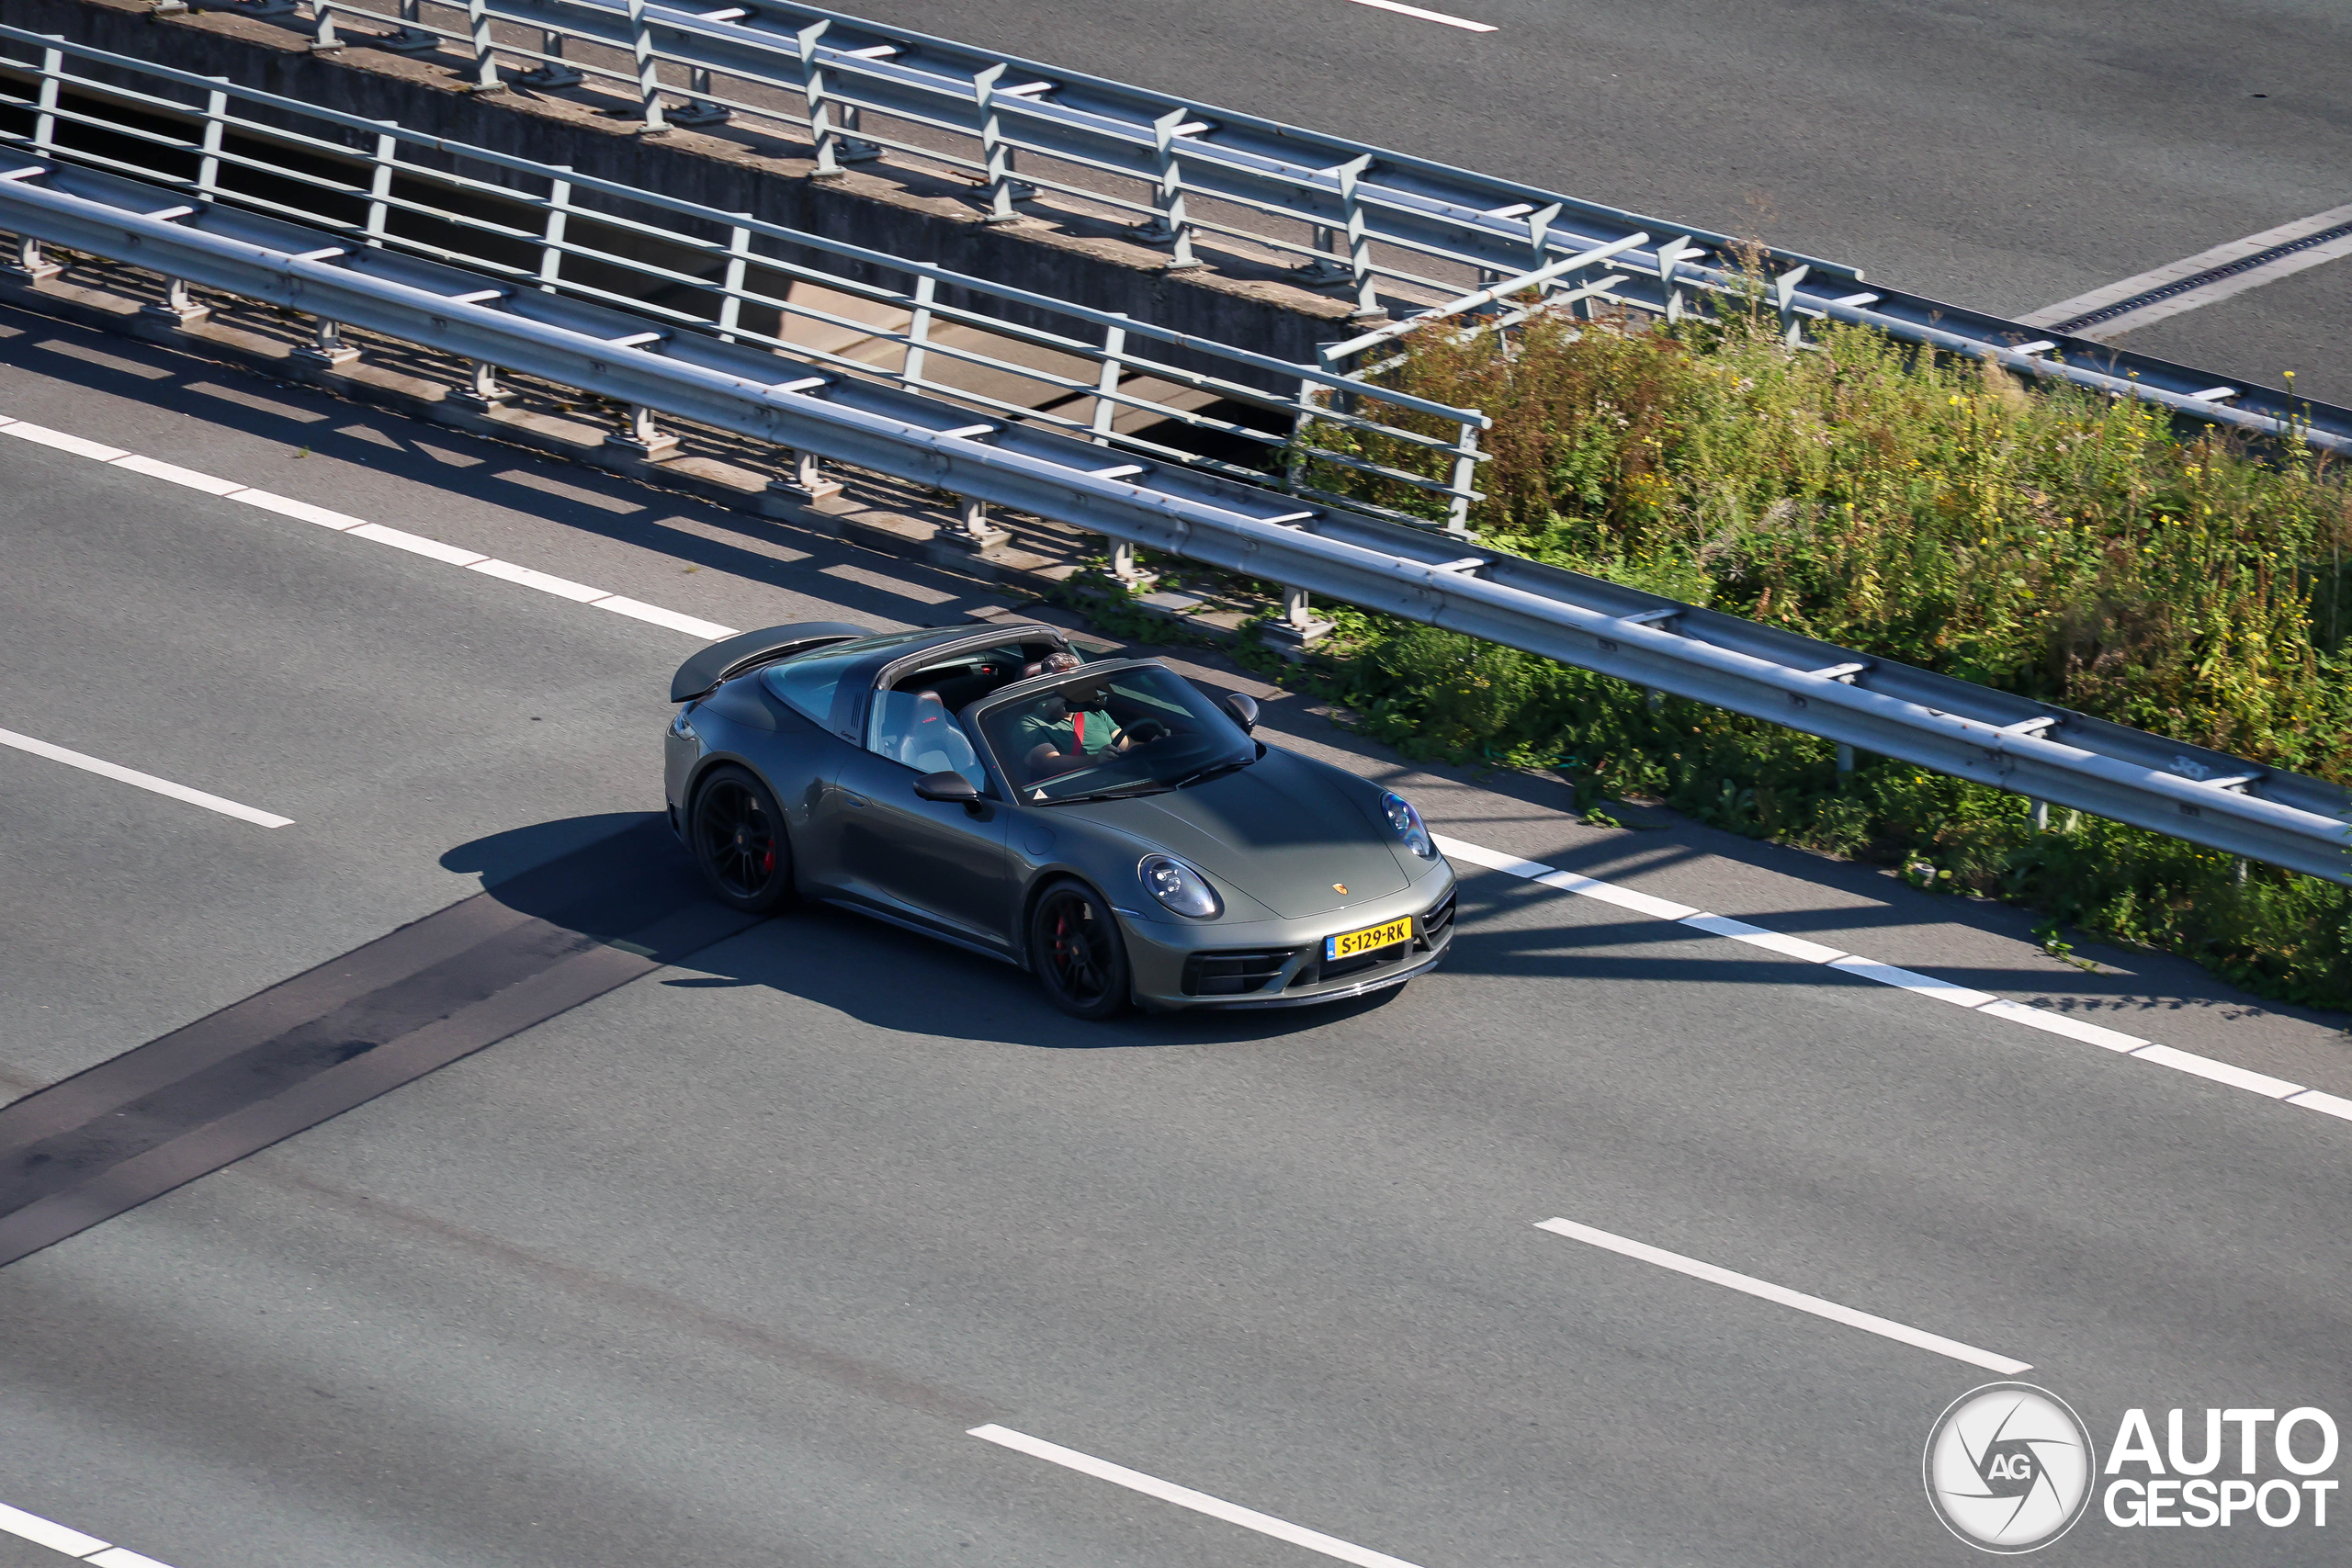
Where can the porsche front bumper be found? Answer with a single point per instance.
(1280, 963)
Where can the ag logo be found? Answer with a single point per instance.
(2010, 1467)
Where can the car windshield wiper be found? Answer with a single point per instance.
(1214, 770)
(1125, 794)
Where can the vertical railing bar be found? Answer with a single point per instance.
(552, 241)
(649, 75)
(379, 187)
(918, 330)
(739, 255)
(208, 165)
(485, 57)
(52, 70)
(812, 90)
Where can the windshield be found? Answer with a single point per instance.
(1135, 731)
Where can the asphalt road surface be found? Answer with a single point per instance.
(2000, 154)
(726, 1263)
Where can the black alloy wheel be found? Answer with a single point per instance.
(1076, 951)
(739, 840)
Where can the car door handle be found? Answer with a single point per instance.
(853, 797)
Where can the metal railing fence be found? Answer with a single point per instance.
(1356, 217)
(729, 275)
(1933, 721)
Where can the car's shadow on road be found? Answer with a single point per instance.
(624, 877)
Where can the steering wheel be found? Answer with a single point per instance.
(1144, 731)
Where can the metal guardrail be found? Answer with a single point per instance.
(1356, 216)
(1934, 721)
(729, 275)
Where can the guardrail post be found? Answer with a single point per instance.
(739, 258)
(1298, 630)
(1846, 763)
(972, 536)
(178, 306)
(483, 391)
(642, 438)
(551, 239)
(1669, 262)
(485, 57)
(1106, 409)
(1359, 241)
(52, 72)
(1784, 295)
(32, 266)
(410, 38)
(1168, 225)
(649, 75)
(208, 165)
(552, 72)
(820, 110)
(327, 351)
(379, 186)
(807, 487)
(323, 37)
(1459, 488)
(918, 331)
(1003, 189)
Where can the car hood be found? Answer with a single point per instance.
(1277, 830)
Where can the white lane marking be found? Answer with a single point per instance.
(286, 506)
(144, 780)
(1918, 1337)
(1185, 1498)
(2332, 1105)
(155, 467)
(41, 1532)
(2203, 261)
(1457, 849)
(1983, 1003)
(692, 625)
(561, 587)
(26, 430)
(1438, 17)
(416, 544)
(73, 1542)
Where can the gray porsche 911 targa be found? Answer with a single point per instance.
(1104, 824)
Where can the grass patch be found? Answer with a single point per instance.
(2062, 544)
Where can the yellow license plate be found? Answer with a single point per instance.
(1349, 944)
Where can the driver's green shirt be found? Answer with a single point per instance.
(1089, 731)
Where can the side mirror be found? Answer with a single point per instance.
(1244, 709)
(952, 788)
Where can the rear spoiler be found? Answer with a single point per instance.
(747, 650)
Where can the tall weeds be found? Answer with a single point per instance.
(2058, 543)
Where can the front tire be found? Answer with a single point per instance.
(736, 830)
(1077, 954)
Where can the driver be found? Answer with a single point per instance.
(1067, 729)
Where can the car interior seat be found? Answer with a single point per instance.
(934, 742)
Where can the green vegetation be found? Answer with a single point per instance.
(2057, 543)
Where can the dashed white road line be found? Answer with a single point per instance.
(143, 781)
(1440, 17)
(73, 1542)
(1981, 1002)
(1887, 1327)
(1185, 1498)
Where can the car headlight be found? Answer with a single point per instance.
(1408, 823)
(680, 728)
(1178, 887)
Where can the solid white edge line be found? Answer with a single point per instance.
(302, 511)
(1887, 1327)
(28, 430)
(41, 1532)
(143, 781)
(1982, 1002)
(122, 1557)
(416, 544)
(2325, 1103)
(546, 583)
(2220, 1072)
(155, 467)
(1185, 1498)
(1438, 17)
(692, 625)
